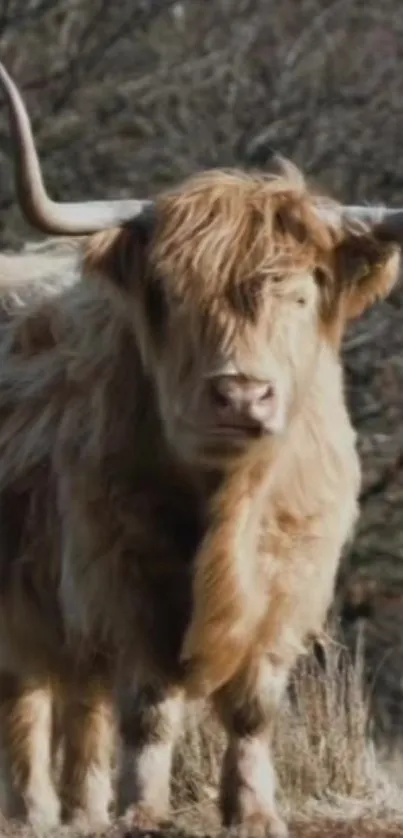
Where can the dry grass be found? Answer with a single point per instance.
(327, 766)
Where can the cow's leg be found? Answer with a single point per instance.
(26, 752)
(11, 802)
(150, 722)
(247, 707)
(89, 735)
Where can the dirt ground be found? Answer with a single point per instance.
(321, 829)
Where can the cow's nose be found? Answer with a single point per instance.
(234, 397)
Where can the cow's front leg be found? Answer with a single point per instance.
(247, 707)
(150, 720)
(89, 739)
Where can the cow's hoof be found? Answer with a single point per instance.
(139, 818)
(260, 826)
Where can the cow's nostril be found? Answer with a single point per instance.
(267, 394)
(219, 396)
(239, 395)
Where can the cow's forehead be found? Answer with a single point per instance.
(242, 231)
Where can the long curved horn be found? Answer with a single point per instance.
(66, 219)
(386, 223)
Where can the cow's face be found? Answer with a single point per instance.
(234, 370)
(233, 295)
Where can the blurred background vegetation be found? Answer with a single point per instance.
(128, 96)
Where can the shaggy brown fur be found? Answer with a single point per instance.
(140, 547)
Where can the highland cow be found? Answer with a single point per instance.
(178, 477)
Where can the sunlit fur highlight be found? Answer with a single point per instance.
(125, 566)
(268, 227)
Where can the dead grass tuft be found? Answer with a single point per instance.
(325, 761)
(321, 744)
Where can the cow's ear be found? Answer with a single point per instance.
(367, 269)
(119, 255)
(120, 258)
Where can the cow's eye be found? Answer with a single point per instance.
(301, 301)
(244, 297)
(255, 285)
